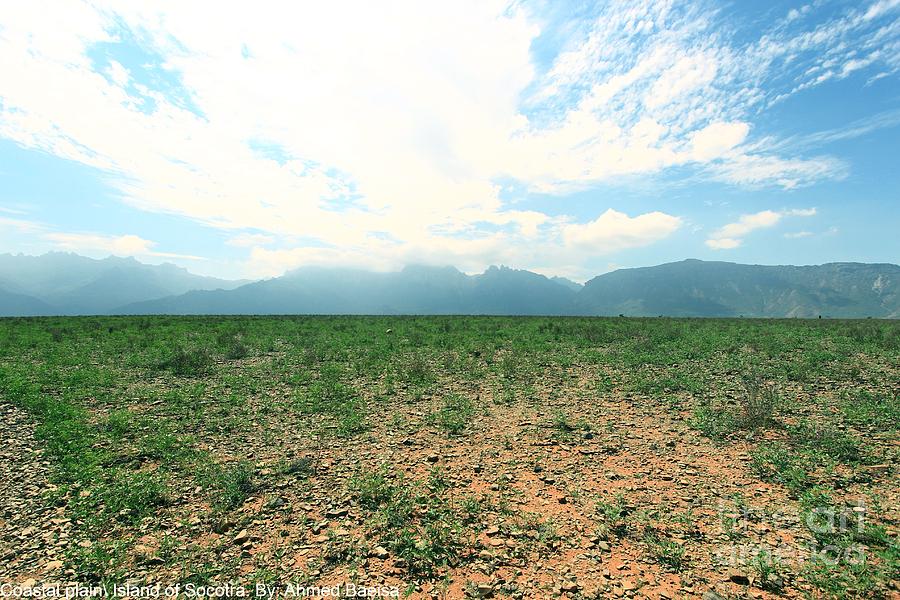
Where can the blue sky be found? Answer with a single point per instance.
(567, 138)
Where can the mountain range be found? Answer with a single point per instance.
(62, 283)
(68, 284)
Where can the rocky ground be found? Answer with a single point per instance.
(33, 534)
(625, 499)
(463, 476)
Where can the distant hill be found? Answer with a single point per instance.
(69, 284)
(20, 305)
(60, 283)
(690, 288)
(572, 285)
(414, 290)
(694, 288)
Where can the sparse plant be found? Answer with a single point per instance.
(714, 421)
(232, 345)
(613, 516)
(667, 552)
(776, 462)
(454, 415)
(230, 485)
(758, 402)
(211, 441)
(768, 572)
(131, 496)
(373, 490)
(187, 362)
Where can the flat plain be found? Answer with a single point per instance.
(454, 457)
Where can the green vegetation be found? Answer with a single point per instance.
(413, 520)
(168, 437)
(454, 414)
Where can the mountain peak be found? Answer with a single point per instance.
(66, 283)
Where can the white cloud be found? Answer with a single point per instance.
(117, 73)
(795, 235)
(12, 211)
(122, 245)
(747, 223)
(390, 129)
(20, 225)
(723, 243)
(716, 139)
(759, 170)
(248, 240)
(688, 74)
(614, 230)
(731, 235)
(800, 212)
(879, 8)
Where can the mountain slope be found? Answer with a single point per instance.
(694, 288)
(414, 290)
(20, 305)
(60, 283)
(73, 284)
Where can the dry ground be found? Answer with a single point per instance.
(531, 479)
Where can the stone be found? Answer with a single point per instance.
(241, 537)
(142, 552)
(738, 577)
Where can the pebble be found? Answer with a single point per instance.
(241, 537)
(53, 565)
(28, 531)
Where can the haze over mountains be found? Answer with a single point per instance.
(68, 284)
(61, 283)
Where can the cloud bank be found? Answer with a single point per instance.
(379, 133)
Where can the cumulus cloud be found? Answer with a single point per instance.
(121, 245)
(723, 243)
(731, 235)
(614, 230)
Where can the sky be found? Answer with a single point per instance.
(242, 140)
